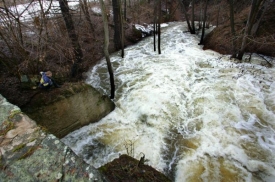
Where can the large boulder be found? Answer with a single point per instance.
(63, 110)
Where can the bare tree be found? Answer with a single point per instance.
(155, 24)
(13, 48)
(173, 7)
(159, 20)
(233, 32)
(203, 24)
(85, 9)
(106, 46)
(192, 31)
(117, 24)
(122, 37)
(41, 23)
(125, 10)
(193, 16)
(14, 20)
(258, 9)
(218, 14)
(72, 35)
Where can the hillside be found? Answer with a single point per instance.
(220, 39)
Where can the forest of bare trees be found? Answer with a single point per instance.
(58, 34)
(70, 39)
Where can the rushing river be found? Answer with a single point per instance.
(196, 115)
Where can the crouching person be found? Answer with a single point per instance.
(47, 81)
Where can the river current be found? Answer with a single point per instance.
(195, 114)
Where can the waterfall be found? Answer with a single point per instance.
(194, 113)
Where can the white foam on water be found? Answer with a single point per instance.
(195, 114)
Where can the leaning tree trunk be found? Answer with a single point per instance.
(257, 11)
(192, 31)
(106, 45)
(259, 17)
(85, 9)
(72, 35)
(203, 24)
(247, 30)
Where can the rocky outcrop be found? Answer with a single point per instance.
(28, 153)
(63, 110)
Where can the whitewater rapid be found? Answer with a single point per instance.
(195, 114)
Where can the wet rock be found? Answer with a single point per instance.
(29, 81)
(68, 108)
(126, 168)
(24, 78)
(28, 153)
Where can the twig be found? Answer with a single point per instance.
(268, 62)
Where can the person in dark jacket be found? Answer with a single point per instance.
(47, 81)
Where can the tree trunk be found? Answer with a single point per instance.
(43, 24)
(232, 25)
(257, 10)
(125, 10)
(203, 24)
(4, 59)
(200, 17)
(106, 46)
(217, 21)
(138, 10)
(72, 35)
(193, 16)
(117, 24)
(155, 24)
(192, 31)
(121, 31)
(85, 9)
(159, 19)
(259, 16)
(155, 29)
